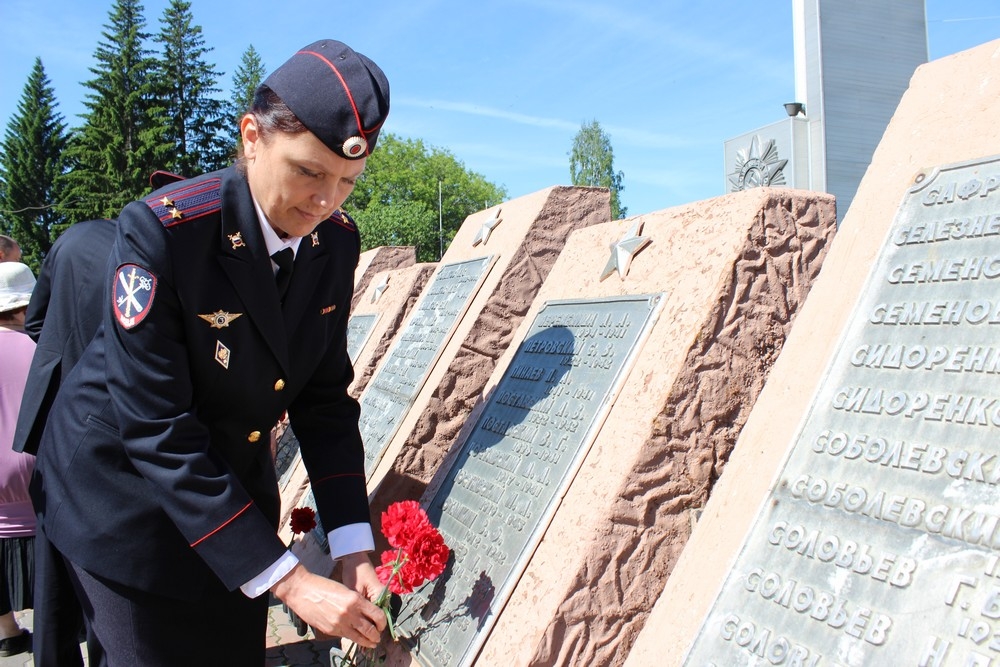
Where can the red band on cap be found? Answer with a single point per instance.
(350, 97)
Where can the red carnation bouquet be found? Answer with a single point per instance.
(419, 555)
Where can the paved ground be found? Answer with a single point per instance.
(285, 648)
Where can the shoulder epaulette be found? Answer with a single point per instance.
(187, 201)
(341, 218)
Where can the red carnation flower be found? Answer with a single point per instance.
(303, 520)
(429, 554)
(403, 521)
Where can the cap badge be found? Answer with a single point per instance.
(355, 147)
(219, 319)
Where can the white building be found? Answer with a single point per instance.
(853, 62)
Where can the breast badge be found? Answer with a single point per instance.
(222, 354)
(220, 319)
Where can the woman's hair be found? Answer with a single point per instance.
(273, 115)
(11, 315)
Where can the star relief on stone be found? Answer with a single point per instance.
(483, 235)
(380, 288)
(624, 249)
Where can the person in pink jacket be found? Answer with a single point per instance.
(17, 518)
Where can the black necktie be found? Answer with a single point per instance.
(285, 259)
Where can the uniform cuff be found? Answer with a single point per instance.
(269, 577)
(350, 539)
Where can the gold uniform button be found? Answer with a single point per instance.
(254, 436)
(279, 385)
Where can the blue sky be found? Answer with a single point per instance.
(505, 86)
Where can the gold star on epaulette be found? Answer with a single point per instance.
(176, 214)
(167, 202)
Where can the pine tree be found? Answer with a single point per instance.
(31, 167)
(248, 76)
(123, 139)
(198, 125)
(592, 162)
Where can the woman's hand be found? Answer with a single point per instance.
(331, 608)
(359, 575)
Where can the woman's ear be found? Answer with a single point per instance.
(251, 135)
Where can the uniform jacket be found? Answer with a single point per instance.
(155, 468)
(68, 299)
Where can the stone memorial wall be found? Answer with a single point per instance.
(377, 260)
(857, 521)
(570, 490)
(430, 378)
(378, 317)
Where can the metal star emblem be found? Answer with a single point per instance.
(176, 214)
(624, 250)
(380, 288)
(167, 202)
(483, 235)
(219, 319)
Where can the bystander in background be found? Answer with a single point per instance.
(17, 518)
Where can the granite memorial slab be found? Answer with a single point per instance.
(376, 260)
(519, 458)
(570, 490)
(400, 376)
(857, 521)
(386, 304)
(521, 239)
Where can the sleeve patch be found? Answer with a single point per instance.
(133, 294)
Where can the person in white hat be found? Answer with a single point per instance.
(17, 518)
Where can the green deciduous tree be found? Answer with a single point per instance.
(591, 162)
(197, 120)
(31, 167)
(123, 138)
(396, 199)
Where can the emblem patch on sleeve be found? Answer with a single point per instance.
(133, 294)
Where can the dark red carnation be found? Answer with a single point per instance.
(303, 520)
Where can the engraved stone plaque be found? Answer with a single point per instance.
(359, 328)
(879, 543)
(401, 375)
(285, 456)
(516, 464)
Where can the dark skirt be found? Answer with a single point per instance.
(17, 558)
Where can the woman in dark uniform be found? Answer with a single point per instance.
(154, 478)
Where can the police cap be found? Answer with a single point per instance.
(340, 95)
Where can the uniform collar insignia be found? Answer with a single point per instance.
(220, 318)
(315, 239)
(237, 240)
